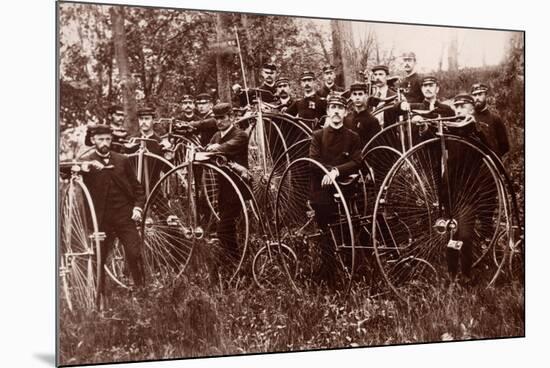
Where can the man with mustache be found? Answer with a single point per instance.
(338, 149)
(360, 120)
(188, 107)
(382, 91)
(283, 93)
(145, 121)
(430, 91)
(311, 106)
(412, 81)
(490, 125)
(329, 86)
(118, 199)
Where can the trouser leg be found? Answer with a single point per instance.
(130, 239)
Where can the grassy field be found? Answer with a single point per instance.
(186, 320)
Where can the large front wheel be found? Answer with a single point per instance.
(437, 212)
(199, 227)
(79, 253)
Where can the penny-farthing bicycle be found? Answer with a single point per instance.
(452, 197)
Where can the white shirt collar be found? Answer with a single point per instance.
(311, 94)
(223, 133)
(143, 135)
(383, 90)
(284, 101)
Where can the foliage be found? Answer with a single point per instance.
(192, 321)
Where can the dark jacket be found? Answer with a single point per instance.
(391, 115)
(122, 174)
(492, 131)
(234, 145)
(439, 109)
(412, 85)
(362, 123)
(325, 91)
(207, 127)
(153, 147)
(312, 107)
(332, 148)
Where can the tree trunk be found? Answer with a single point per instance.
(223, 61)
(126, 80)
(342, 45)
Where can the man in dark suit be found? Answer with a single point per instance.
(360, 120)
(204, 123)
(329, 86)
(338, 149)
(311, 106)
(412, 81)
(118, 199)
(382, 91)
(268, 76)
(431, 103)
(146, 131)
(490, 124)
(231, 142)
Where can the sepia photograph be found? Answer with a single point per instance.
(233, 183)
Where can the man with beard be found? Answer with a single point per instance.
(412, 82)
(360, 120)
(311, 106)
(382, 91)
(490, 125)
(268, 75)
(338, 149)
(118, 199)
(115, 120)
(329, 86)
(231, 142)
(283, 93)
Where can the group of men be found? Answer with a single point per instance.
(349, 124)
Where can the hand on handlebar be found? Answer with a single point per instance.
(329, 178)
(88, 165)
(214, 147)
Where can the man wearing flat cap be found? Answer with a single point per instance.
(328, 82)
(284, 101)
(490, 124)
(311, 106)
(380, 74)
(118, 199)
(359, 119)
(412, 81)
(231, 142)
(338, 149)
